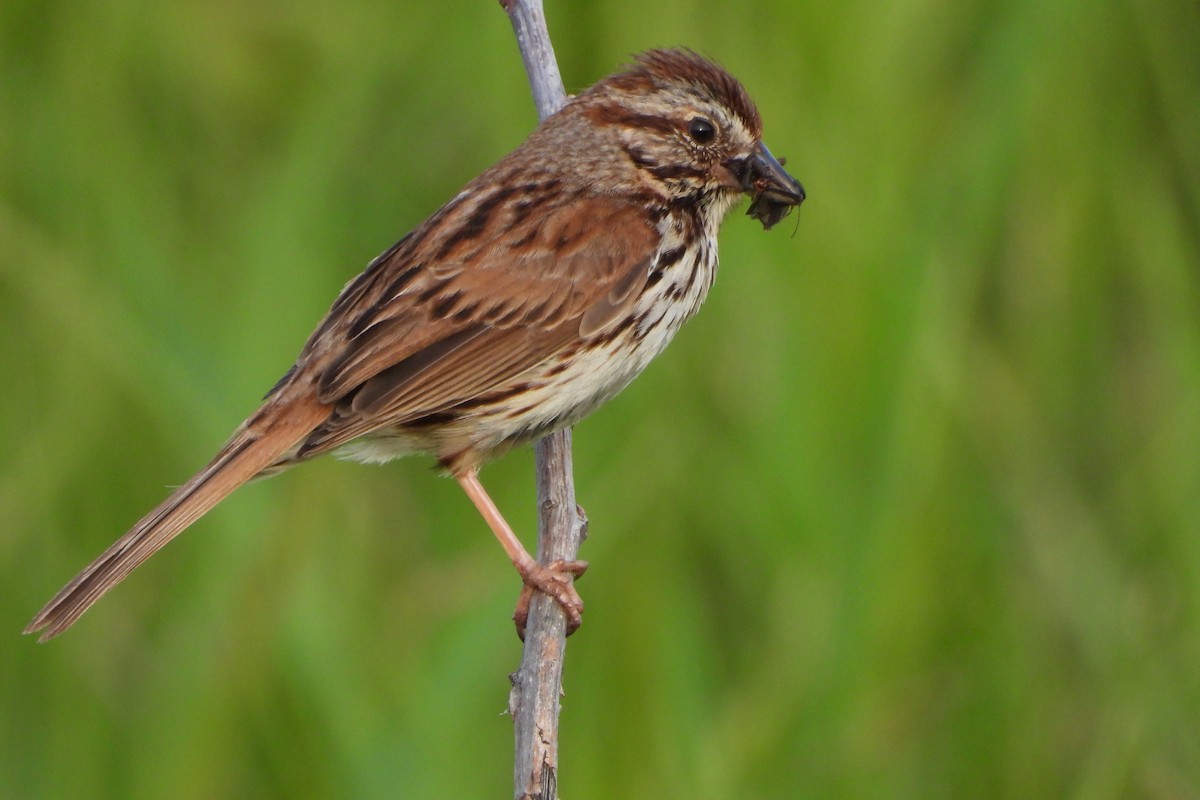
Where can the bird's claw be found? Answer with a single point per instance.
(556, 580)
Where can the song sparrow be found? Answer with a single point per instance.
(532, 297)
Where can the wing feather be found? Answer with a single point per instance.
(474, 325)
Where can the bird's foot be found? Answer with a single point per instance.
(556, 580)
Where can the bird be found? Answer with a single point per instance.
(531, 298)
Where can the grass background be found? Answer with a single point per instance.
(912, 510)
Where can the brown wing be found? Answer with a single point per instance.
(447, 316)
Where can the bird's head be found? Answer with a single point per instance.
(692, 132)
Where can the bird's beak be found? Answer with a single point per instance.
(774, 191)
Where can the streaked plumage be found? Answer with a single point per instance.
(532, 297)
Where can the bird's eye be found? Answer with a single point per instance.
(701, 130)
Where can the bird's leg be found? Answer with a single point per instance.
(555, 579)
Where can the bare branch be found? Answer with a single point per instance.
(537, 685)
(529, 24)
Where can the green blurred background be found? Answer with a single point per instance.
(912, 509)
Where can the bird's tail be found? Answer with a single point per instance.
(259, 443)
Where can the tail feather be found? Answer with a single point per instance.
(258, 444)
